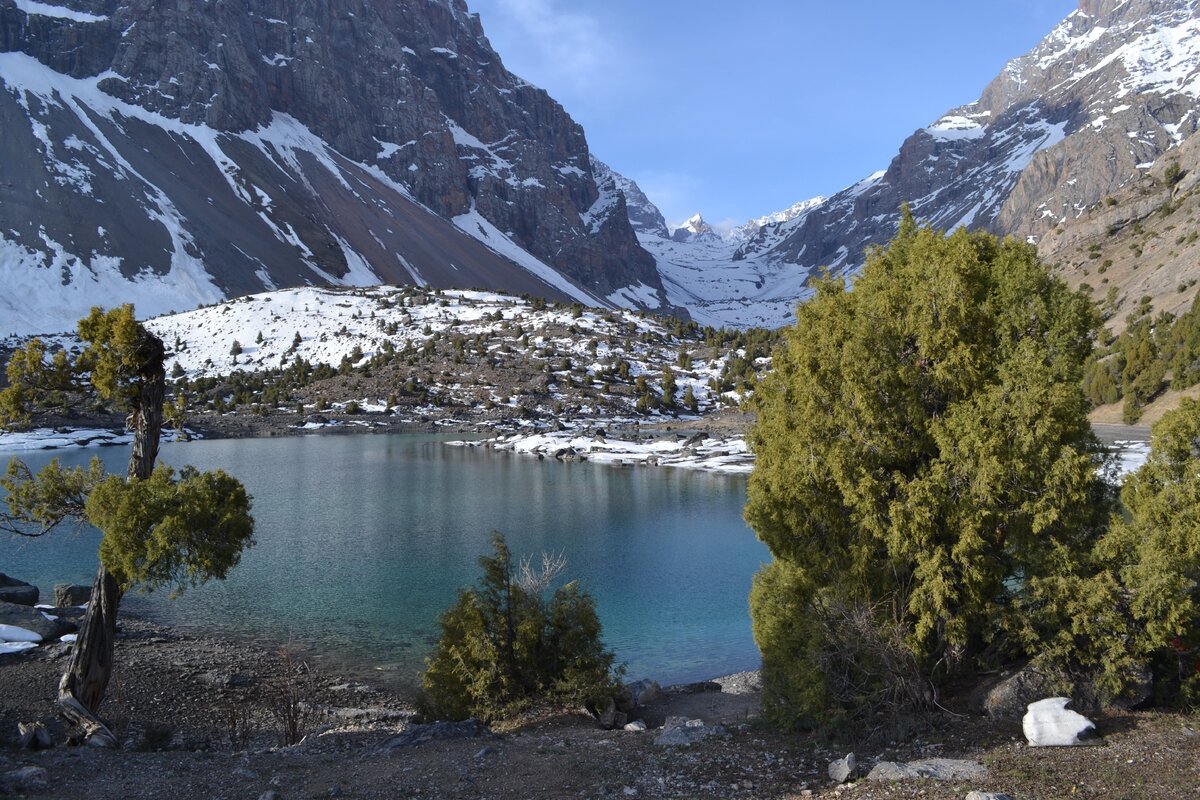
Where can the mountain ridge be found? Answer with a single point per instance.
(209, 164)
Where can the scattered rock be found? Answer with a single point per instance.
(843, 769)
(17, 592)
(1049, 723)
(33, 736)
(420, 734)
(609, 718)
(245, 773)
(26, 779)
(695, 439)
(270, 795)
(71, 594)
(695, 688)
(485, 752)
(646, 692)
(681, 731)
(938, 769)
(987, 796)
(32, 619)
(1009, 698)
(637, 726)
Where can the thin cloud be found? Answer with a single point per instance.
(563, 42)
(674, 193)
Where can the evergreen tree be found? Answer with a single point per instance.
(922, 447)
(504, 646)
(159, 529)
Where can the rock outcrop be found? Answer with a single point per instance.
(174, 153)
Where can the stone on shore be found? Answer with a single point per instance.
(1049, 723)
(987, 796)
(938, 769)
(44, 623)
(645, 692)
(843, 769)
(437, 731)
(681, 732)
(71, 594)
(17, 592)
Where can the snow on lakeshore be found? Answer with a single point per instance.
(730, 455)
(60, 438)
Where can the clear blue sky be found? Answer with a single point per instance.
(736, 108)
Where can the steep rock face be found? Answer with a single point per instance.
(643, 215)
(1110, 90)
(206, 149)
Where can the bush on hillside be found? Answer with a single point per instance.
(504, 646)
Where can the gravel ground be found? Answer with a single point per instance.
(195, 715)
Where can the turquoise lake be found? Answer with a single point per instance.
(363, 540)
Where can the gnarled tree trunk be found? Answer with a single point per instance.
(82, 687)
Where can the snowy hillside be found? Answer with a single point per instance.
(485, 339)
(263, 150)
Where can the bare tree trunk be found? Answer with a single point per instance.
(82, 687)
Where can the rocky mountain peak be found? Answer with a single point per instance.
(693, 229)
(176, 152)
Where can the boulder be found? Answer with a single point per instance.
(44, 623)
(33, 736)
(843, 769)
(1049, 723)
(695, 688)
(71, 594)
(17, 592)
(682, 737)
(987, 796)
(1009, 698)
(437, 731)
(637, 726)
(938, 769)
(645, 693)
(681, 732)
(610, 717)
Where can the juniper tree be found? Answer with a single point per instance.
(922, 449)
(503, 645)
(160, 528)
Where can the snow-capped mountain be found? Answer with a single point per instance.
(1098, 101)
(1103, 97)
(173, 153)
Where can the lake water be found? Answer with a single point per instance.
(363, 540)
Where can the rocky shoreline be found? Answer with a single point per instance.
(195, 716)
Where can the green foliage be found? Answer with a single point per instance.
(166, 531)
(669, 386)
(921, 446)
(53, 496)
(1135, 365)
(170, 531)
(1134, 600)
(32, 374)
(504, 647)
(115, 353)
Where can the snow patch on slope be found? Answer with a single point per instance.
(58, 12)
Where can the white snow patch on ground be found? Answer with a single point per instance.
(60, 438)
(474, 224)
(639, 295)
(729, 455)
